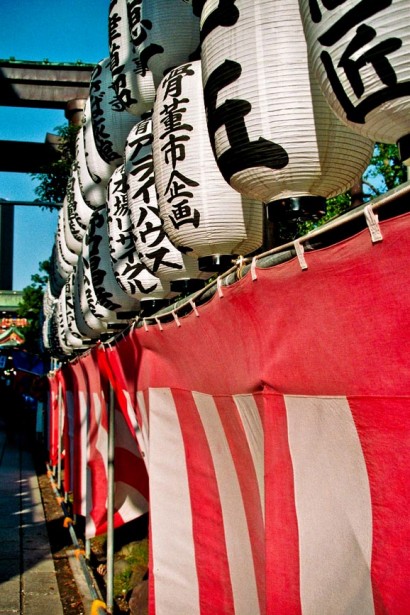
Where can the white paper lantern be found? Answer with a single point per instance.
(132, 82)
(48, 300)
(64, 252)
(99, 170)
(360, 53)
(131, 274)
(154, 247)
(88, 323)
(77, 212)
(273, 133)
(203, 215)
(91, 185)
(60, 326)
(111, 121)
(74, 336)
(120, 306)
(166, 34)
(57, 276)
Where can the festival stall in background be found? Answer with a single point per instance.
(257, 395)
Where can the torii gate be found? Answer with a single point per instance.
(43, 85)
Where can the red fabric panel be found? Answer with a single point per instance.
(80, 443)
(215, 592)
(384, 430)
(245, 469)
(68, 428)
(53, 419)
(340, 327)
(97, 441)
(282, 541)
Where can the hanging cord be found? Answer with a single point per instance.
(99, 607)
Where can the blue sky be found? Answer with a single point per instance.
(59, 31)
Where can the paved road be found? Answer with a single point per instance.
(28, 583)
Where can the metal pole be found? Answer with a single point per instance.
(60, 430)
(110, 503)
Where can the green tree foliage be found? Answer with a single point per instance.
(53, 180)
(31, 305)
(384, 172)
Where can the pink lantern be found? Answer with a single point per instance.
(202, 214)
(274, 136)
(360, 53)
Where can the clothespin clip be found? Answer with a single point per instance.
(372, 221)
(300, 253)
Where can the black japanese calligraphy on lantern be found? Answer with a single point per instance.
(226, 14)
(175, 136)
(101, 136)
(242, 153)
(377, 52)
(139, 32)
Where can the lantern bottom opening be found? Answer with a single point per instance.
(216, 263)
(404, 149)
(186, 285)
(309, 207)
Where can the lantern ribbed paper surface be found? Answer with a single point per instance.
(109, 293)
(93, 184)
(111, 121)
(131, 274)
(273, 132)
(133, 83)
(201, 212)
(61, 326)
(58, 275)
(63, 250)
(73, 337)
(93, 191)
(360, 53)
(163, 46)
(154, 247)
(85, 303)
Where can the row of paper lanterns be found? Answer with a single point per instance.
(189, 129)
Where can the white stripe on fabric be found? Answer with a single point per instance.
(101, 443)
(129, 502)
(239, 550)
(145, 426)
(174, 567)
(252, 424)
(84, 449)
(333, 507)
(137, 429)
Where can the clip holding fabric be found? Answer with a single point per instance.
(253, 269)
(193, 306)
(175, 315)
(219, 286)
(240, 263)
(372, 221)
(145, 324)
(300, 253)
(161, 328)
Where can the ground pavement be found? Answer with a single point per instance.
(28, 583)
